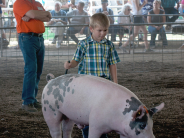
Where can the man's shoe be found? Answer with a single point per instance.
(29, 108)
(37, 105)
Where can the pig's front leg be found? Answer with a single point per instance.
(67, 127)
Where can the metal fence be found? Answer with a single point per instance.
(11, 57)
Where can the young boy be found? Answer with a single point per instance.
(96, 55)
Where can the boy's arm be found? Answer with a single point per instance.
(72, 64)
(113, 72)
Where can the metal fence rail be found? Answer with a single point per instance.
(136, 57)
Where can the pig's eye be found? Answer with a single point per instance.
(138, 114)
(142, 126)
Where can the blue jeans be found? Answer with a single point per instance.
(171, 11)
(33, 51)
(85, 132)
(154, 33)
(72, 31)
(113, 31)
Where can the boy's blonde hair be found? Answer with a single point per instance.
(99, 19)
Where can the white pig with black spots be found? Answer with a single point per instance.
(103, 105)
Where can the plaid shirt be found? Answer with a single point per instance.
(95, 57)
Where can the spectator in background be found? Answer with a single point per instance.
(2, 5)
(169, 8)
(78, 21)
(181, 8)
(107, 11)
(156, 29)
(56, 21)
(124, 20)
(136, 7)
(146, 8)
(66, 4)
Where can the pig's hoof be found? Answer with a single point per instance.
(49, 77)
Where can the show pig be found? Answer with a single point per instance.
(103, 105)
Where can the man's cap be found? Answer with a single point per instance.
(104, 1)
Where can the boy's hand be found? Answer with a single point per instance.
(67, 65)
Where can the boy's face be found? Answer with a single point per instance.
(98, 32)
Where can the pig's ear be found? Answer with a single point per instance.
(142, 110)
(152, 111)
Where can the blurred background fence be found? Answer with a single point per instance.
(11, 56)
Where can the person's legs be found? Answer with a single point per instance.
(71, 32)
(113, 32)
(40, 53)
(163, 35)
(153, 32)
(86, 31)
(33, 53)
(145, 32)
(136, 30)
(120, 31)
(85, 132)
(3, 32)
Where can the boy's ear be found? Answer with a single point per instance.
(91, 29)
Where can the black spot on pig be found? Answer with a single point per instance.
(139, 123)
(57, 105)
(73, 91)
(44, 108)
(134, 105)
(46, 102)
(152, 111)
(50, 106)
(68, 89)
(57, 95)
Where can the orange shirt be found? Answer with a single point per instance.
(20, 8)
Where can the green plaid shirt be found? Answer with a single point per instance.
(95, 57)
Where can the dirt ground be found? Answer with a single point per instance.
(161, 82)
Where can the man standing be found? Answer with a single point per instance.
(107, 11)
(83, 19)
(55, 21)
(30, 16)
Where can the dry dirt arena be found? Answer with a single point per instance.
(152, 81)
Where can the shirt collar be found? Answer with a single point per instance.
(90, 39)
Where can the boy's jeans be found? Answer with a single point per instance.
(154, 33)
(85, 132)
(33, 51)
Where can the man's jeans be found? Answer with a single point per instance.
(33, 51)
(154, 33)
(72, 31)
(171, 11)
